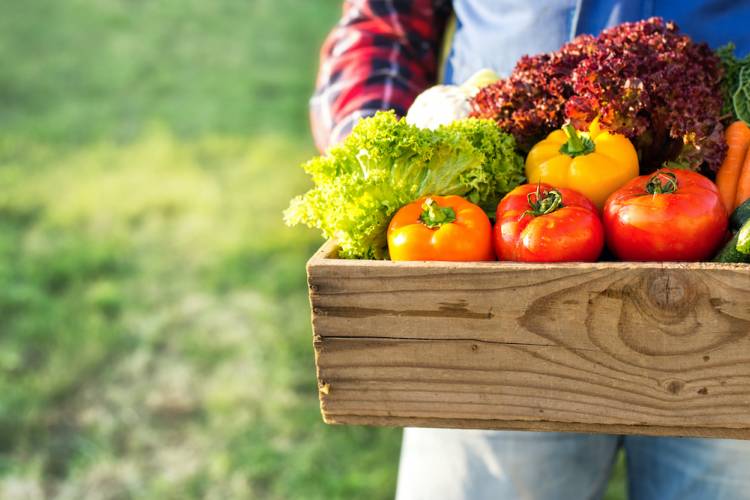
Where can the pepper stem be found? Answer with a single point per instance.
(576, 145)
(434, 216)
(655, 186)
(546, 202)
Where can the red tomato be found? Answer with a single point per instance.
(668, 215)
(538, 223)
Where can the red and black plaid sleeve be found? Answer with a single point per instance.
(379, 56)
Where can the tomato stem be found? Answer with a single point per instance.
(546, 202)
(576, 145)
(655, 186)
(434, 216)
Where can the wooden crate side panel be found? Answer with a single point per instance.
(654, 317)
(655, 348)
(460, 379)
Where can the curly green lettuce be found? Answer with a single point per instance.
(386, 163)
(735, 83)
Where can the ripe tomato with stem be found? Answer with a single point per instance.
(540, 223)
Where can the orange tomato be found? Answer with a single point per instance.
(440, 228)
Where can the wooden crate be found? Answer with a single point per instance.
(611, 347)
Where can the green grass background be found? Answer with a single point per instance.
(154, 324)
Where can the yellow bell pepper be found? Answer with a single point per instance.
(594, 163)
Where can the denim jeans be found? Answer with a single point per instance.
(450, 464)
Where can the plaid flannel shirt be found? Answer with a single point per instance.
(381, 55)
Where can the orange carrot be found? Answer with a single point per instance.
(743, 185)
(728, 176)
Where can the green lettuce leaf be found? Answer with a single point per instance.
(735, 83)
(386, 163)
(741, 97)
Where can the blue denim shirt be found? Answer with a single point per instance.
(496, 33)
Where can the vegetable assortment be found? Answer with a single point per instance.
(637, 140)
(386, 163)
(644, 80)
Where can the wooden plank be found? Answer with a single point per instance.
(655, 348)
(476, 380)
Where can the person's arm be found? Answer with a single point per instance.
(381, 55)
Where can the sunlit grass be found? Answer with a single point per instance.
(156, 328)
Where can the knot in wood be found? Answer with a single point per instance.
(668, 290)
(668, 294)
(674, 386)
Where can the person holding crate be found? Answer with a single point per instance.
(381, 55)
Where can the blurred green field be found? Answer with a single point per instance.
(154, 324)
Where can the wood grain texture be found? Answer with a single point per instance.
(644, 348)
